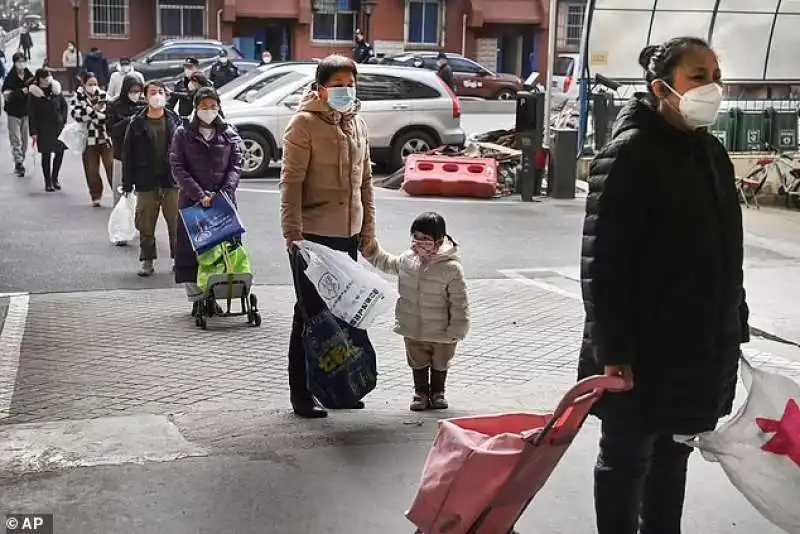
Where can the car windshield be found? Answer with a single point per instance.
(281, 80)
(243, 80)
(145, 53)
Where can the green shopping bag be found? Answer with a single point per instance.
(226, 258)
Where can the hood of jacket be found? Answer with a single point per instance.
(127, 82)
(641, 113)
(38, 92)
(94, 55)
(448, 252)
(313, 103)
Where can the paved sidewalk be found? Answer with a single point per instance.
(96, 354)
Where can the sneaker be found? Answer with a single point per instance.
(19, 168)
(146, 269)
(49, 188)
(56, 185)
(96, 203)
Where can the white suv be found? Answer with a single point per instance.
(407, 111)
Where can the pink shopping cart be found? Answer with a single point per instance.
(483, 471)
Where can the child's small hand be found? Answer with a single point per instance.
(369, 246)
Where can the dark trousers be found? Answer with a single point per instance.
(298, 380)
(51, 166)
(639, 482)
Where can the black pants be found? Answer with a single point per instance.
(639, 483)
(51, 166)
(298, 379)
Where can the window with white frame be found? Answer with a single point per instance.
(182, 18)
(336, 21)
(423, 21)
(109, 18)
(573, 27)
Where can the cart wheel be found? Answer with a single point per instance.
(250, 317)
(203, 323)
(256, 319)
(197, 321)
(253, 302)
(211, 307)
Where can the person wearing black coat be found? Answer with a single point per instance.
(96, 63)
(181, 99)
(662, 287)
(120, 110)
(47, 115)
(15, 93)
(223, 71)
(446, 71)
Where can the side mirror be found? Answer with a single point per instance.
(250, 95)
(484, 73)
(148, 59)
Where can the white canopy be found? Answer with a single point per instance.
(757, 40)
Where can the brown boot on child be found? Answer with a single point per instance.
(421, 398)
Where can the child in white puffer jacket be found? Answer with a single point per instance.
(432, 313)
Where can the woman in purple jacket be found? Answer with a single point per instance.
(206, 160)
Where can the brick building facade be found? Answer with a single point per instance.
(505, 35)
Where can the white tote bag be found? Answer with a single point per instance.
(352, 293)
(759, 447)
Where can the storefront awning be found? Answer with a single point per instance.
(507, 12)
(261, 9)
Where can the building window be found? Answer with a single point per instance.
(336, 21)
(574, 24)
(109, 18)
(182, 18)
(423, 20)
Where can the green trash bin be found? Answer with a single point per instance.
(784, 130)
(725, 128)
(754, 132)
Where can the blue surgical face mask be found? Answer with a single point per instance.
(341, 98)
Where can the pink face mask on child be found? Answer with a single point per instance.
(425, 249)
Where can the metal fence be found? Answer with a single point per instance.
(744, 123)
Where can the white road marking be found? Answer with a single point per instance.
(519, 276)
(13, 329)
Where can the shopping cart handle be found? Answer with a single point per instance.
(588, 389)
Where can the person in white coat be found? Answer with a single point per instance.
(432, 313)
(125, 68)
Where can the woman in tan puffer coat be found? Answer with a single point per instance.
(432, 313)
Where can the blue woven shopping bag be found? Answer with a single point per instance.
(341, 363)
(209, 227)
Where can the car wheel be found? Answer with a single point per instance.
(411, 142)
(505, 94)
(255, 154)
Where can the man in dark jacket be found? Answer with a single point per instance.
(223, 71)
(95, 62)
(363, 51)
(120, 110)
(15, 92)
(180, 100)
(146, 169)
(446, 71)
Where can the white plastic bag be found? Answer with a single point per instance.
(759, 447)
(122, 222)
(352, 293)
(74, 136)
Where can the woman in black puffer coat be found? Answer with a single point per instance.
(663, 287)
(47, 115)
